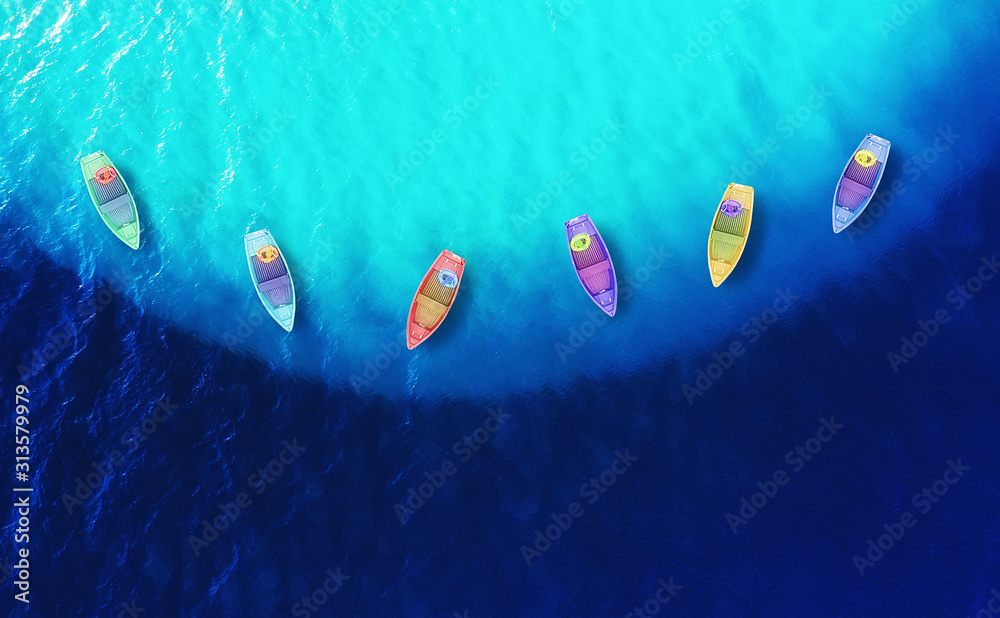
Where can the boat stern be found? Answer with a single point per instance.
(607, 301)
(841, 217)
(719, 271)
(415, 335)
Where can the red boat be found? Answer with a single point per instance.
(434, 298)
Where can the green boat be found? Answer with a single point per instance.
(111, 197)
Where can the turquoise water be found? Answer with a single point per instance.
(370, 136)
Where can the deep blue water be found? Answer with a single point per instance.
(664, 517)
(158, 393)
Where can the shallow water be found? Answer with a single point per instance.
(228, 121)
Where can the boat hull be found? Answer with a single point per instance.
(434, 298)
(859, 181)
(114, 201)
(729, 234)
(272, 280)
(592, 263)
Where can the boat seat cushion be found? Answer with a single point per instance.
(430, 303)
(269, 270)
(119, 210)
(865, 176)
(727, 237)
(111, 191)
(115, 204)
(277, 282)
(279, 296)
(599, 268)
(857, 187)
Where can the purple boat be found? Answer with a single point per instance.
(859, 181)
(592, 262)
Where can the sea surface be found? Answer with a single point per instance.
(760, 449)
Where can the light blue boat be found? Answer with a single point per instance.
(271, 278)
(859, 181)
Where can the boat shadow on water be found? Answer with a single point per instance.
(885, 195)
(755, 247)
(148, 233)
(622, 266)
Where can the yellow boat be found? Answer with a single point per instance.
(730, 229)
